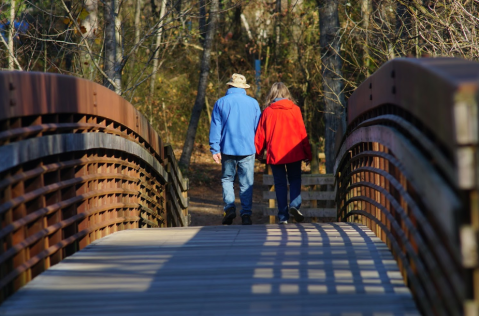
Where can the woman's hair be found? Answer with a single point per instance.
(278, 90)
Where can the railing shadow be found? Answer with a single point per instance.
(309, 269)
(407, 168)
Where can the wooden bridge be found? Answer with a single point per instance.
(94, 209)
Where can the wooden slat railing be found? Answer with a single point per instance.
(315, 190)
(77, 162)
(408, 168)
(177, 191)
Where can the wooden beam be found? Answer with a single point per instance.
(306, 179)
(307, 212)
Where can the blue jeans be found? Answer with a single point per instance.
(293, 171)
(245, 173)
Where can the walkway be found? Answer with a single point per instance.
(305, 269)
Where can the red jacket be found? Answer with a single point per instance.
(281, 131)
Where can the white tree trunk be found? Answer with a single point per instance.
(157, 49)
(246, 26)
(11, 33)
(132, 60)
(90, 23)
(113, 54)
(137, 21)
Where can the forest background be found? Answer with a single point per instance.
(172, 58)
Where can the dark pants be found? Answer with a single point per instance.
(293, 172)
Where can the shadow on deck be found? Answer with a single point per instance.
(304, 269)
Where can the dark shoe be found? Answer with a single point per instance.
(293, 211)
(229, 215)
(246, 220)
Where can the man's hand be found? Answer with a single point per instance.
(217, 158)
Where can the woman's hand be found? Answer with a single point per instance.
(307, 161)
(260, 158)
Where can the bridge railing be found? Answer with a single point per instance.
(177, 192)
(408, 168)
(77, 162)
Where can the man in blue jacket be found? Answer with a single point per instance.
(233, 126)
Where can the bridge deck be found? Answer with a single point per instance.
(303, 269)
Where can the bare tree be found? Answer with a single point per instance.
(237, 23)
(112, 55)
(200, 97)
(11, 33)
(366, 13)
(202, 21)
(157, 49)
(277, 29)
(89, 30)
(335, 103)
(138, 4)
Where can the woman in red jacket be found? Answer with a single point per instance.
(282, 133)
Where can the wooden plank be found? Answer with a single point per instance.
(273, 270)
(306, 179)
(305, 195)
(176, 169)
(176, 188)
(175, 207)
(271, 202)
(172, 216)
(307, 212)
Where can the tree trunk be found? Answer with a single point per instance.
(11, 32)
(383, 17)
(202, 22)
(90, 23)
(246, 26)
(178, 6)
(277, 30)
(366, 13)
(138, 4)
(237, 23)
(156, 58)
(153, 8)
(295, 33)
(335, 103)
(112, 56)
(200, 97)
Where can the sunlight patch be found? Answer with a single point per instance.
(289, 289)
(261, 289)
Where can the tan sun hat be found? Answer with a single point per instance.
(238, 81)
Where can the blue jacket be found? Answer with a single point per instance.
(233, 124)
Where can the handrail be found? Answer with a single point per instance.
(177, 191)
(77, 162)
(407, 168)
